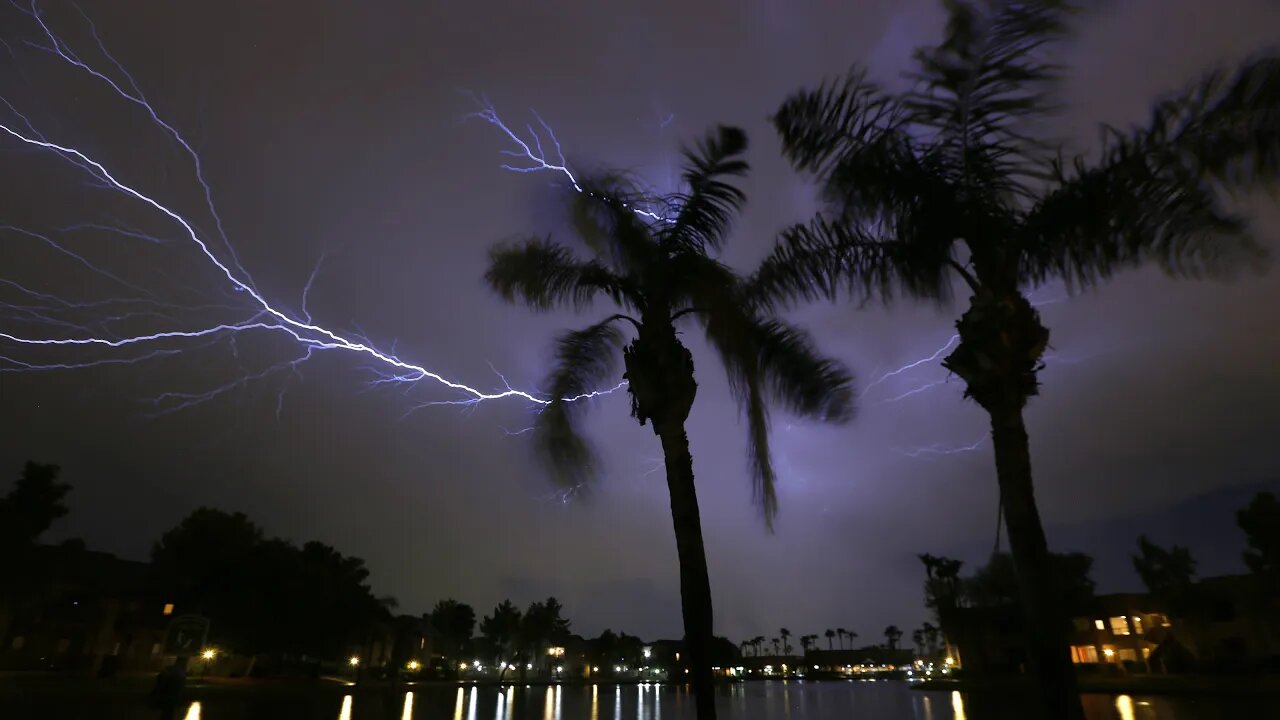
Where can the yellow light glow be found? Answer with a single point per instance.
(1108, 652)
(1124, 707)
(345, 712)
(168, 610)
(193, 712)
(407, 712)
(957, 705)
(951, 660)
(353, 661)
(1099, 624)
(555, 651)
(209, 654)
(414, 665)
(462, 666)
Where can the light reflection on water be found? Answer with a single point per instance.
(775, 700)
(1124, 706)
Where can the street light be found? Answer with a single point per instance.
(353, 661)
(209, 654)
(414, 665)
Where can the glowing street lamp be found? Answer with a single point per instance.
(208, 654)
(414, 665)
(353, 661)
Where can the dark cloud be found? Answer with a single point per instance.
(330, 127)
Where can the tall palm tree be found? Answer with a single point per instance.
(786, 647)
(841, 632)
(830, 634)
(776, 650)
(944, 181)
(742, 646)
(660, 274)
(758, 641)
(891, 635)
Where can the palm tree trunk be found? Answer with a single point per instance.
(1046, 624)
(695, 585)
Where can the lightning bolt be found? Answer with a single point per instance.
(265, 317)
(939, 449)
(538, 159)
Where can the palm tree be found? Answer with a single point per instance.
(917, 637)
(786, 647)
(830, 634)
(742, 646)
(660, 274)
(776, 651)
(891, 636)
(758, 641)
(942, 182)
(841, 632)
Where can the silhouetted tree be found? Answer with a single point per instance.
(1168, 574)
(930, 633)
(891, 636)
(266, 596)
(1260, 522)
(841, 632)
(541, 627)
(943, 181)
(661, 273)
(785, 634)
(830, 634)
(454, 623)
(502, 631)
(32, 505)
(996, 583)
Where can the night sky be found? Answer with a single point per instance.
(330, 128)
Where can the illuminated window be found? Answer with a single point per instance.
(1119, 625)
(555, 651)
(1137, 624)
(168, 609)
(1099, 624)
(1084, 654)
(1128, 655)
(1146, 653)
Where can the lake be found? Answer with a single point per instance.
(768, 700)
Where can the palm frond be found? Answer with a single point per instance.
(584, 359)
(988, 78)
(820, 127)
(605, 218)
(824, 259)
(763, 360)
(1155, 195)
(711, 203)
(545, 275)
(797, 376)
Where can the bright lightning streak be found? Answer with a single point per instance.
(533, 151)
(268, 317)
(938, 449)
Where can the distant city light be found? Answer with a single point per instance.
(209, 654)
(353, 661)
(617, 668)
(647, 652)
(462, 666)
(559, 668)
(413, 665)
(528, 666)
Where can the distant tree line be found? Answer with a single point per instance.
(268, 596)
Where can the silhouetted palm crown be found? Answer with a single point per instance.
(660, 273)
(947, 176)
